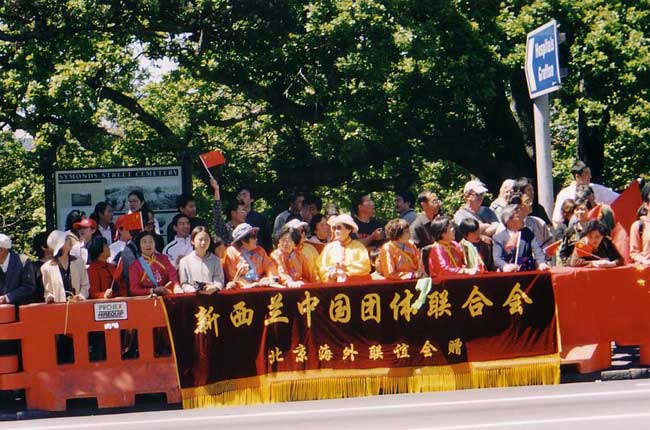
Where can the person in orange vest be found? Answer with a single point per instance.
(399, 258)
(293, 268)
(247, 264)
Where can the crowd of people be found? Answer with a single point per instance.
(97, 257)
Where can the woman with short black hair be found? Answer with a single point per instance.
(446, 256)
(399, 258)
(151, 272)
(595, 249)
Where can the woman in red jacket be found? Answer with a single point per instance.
(446, 256)
(152, 273)
(101, 274)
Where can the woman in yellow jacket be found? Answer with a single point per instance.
(344, 259)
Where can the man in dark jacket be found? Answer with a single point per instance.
(16, 275)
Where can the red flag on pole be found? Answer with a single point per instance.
(551, 249)
(132, 221)
(626, 205)
(213, 158)
(584, 250)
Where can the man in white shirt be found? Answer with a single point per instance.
(582, 174)
(182, 244)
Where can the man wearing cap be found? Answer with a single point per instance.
(582, 176)
(83, 232)
(182, 244)
(487, 219)
(122, 237)
(246, 264)
(305, 248)
(343, 259)
(16, 275)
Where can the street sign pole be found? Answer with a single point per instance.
(543, 153)
(543, 77)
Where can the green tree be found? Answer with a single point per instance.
(330, 95)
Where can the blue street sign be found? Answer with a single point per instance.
(542, 60)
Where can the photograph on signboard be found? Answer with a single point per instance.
(83, 189)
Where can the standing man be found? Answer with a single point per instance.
(473, 208)
(421, 228)
(370, 231)
(582, 175)
(246, 198)
(182, 244)
(16, 275)
(404, 205)
(186, 205)
(295, 206)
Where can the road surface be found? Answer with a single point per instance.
(591, 405)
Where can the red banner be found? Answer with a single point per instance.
(234, 347)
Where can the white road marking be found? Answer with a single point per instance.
(356, 409)
(531, 422)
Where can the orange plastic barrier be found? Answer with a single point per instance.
(113, 350)
(600, 306)
(107, 350)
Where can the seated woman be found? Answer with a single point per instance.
(64, 275)
(640, 231)
(567, 213)
(573, 232)
(201, 269)
(293, 267)
(320, 231)
(151, 272)
(515, 249)
(101, 274)
(595, 249)
(246, 264)
(343, 259)
(399, 258)
(446, 256)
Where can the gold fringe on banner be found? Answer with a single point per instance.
(335, 384)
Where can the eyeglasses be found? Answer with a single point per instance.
(338, 227)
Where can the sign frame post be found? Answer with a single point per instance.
(543, 77)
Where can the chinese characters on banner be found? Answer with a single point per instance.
(234, 334)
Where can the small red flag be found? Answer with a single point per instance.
(595, 212)
(584, 250)
(132, 221)
(212, 159)
(626, 205)
(551, 249)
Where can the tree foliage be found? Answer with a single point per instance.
(327, 95)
